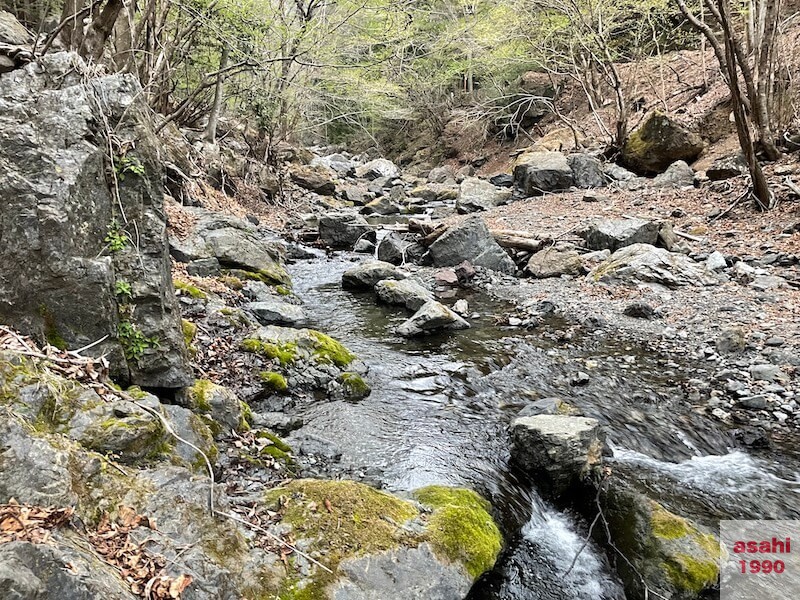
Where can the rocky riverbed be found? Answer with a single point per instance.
(417, 386)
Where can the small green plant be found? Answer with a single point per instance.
(134, 342)
(128, 164)
(123, 290)
(116, 239)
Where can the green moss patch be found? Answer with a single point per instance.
(690, 574)
(461, 527)
(328, 350)
(354, 385)
(200, 394)
(189, 289)
(285, 353)
(274, 382)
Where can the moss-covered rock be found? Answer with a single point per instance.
(189, 333)
(189, 289)
(353, 386)
(273, 382)
(216, 401)
(658, 143)
(340, 521)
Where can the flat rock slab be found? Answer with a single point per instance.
(646, 263)
(406, 293)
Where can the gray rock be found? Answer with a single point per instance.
(59, 272)
(364, 247)
(12, 32)
(276, 312)
(435, 192)
(639, 310)
(767, 372)
(367, 274)
(587, 171)
(203, 267)
(235, 243)
(727, 167)
(345, 229)
(502, 180)
(658, 143)
(552, 262)
(618, 233)
(716, 261)
(441, 174)
(357, 194)
(398, 249)
(380, 167)
(556, 450)
(431, 317)
(195, 430)
(470, 241)
(643, 262)
(477, 195)
(730, 341)
(217, 401)
(381, 206)
(538, 172)
(678, 175)
(317, 179)
(406, 293)
(338, 163)
(618, 172)
(401, 574)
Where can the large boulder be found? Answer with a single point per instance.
(380, 167)
(367, 274)
(645, 263)
(344, 229)
(587, 171)
(405, 292)
(12, 32)
(398, 249)
(476, 195)
(434, 192)
(77, 225)
(316, 178)
(431, 317)
(234, 242)
(613, 234)
(552, 262)
(536, 173)
(557, 451)
(470, 241)
(658, 143)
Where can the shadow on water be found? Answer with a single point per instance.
(440, 409)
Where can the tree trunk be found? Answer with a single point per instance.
(99, 31)
(213, 118)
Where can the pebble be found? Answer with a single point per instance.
(514, 321)
(775, 342)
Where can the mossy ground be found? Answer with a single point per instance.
(461, 528)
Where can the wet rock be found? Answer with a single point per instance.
(380, 167)
(556, 450)
(56, 226)
(431, 317)
(678, 175)
(639, 310)
(618, 233)
(470, 241)
(727, 167)
(477, 195)
(643, 262)
(658, 143)
(367, 274)
(276, 312)
(552, 262)
(316, 179)
(234, 242)
(364, 247)
(587, 171)
(546, 406)
(536, 173)
(406, 293)
(398, 249)
(345, 229)
(338, 163)
(730, 341)
(716, 261)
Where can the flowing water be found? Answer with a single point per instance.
(440, 409)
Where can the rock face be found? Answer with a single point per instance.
(557, 450)
(234, 243)
(67, 242)
(658, 143)
(551, 262)
(470, 241)
(615, 234)
(367, 274)
(380, 167)
(431, 317)
(477, 195)
(344, 229)
(406, 293)
(538, 172)
(646, 263)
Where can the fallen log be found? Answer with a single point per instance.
(518, 240)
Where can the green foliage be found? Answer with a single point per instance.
(116, 239)
(128, 165)
(123, 290)
(134, 342)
